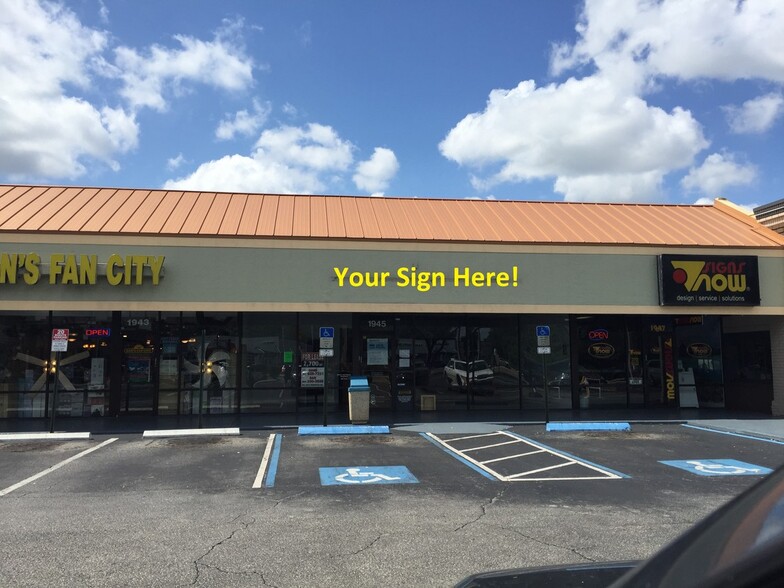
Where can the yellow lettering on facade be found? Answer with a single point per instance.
(88, 269)
(55, 266)
(128, 269)
(70, 270)
(113, 276)
(139, 261)
(461, 277)
(341, 275)
(402, 277)
(32, 271)
(156, 264)
(8, 266)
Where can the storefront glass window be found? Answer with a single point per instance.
(139, 358)
(556, 363)
(699, 362)
(269, 356)
(317, 373)
(493, 370)
(169, 344)
(83, 370)
(209, 348)
(603, 369)
(25, 341)
(439, 351)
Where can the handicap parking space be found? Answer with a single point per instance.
(404, 458)
(647, 451)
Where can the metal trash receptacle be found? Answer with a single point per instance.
(359, 400)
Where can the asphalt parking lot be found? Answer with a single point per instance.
(407, 508)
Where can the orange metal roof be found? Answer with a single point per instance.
(112, 211)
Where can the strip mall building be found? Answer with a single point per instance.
(172, 301)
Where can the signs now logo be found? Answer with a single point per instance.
(710, 276)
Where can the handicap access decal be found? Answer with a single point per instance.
(719, 467)
(354, 475)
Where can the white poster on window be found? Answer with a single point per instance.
(96, 373)
(378, 351)
(312, 377)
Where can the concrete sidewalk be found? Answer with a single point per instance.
(770, 428)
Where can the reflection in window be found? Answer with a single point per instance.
(699, 361)
(557, 363)
(24, 356)
(493, 372)
(269, 373)
(208, 363)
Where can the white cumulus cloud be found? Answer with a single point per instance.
(149, 76)
(601, 137)
(51, 70)
(717, 172)
(175, 162)
(243, 122)
(287, 160)
(582, 128)
(46, 129)
(375, 173)
(684, 39)
(756, 115)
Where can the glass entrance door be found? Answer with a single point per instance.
(375, 342)
(139, 364)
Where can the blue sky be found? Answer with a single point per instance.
(605, 100)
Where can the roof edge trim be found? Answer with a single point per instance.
(731, 209)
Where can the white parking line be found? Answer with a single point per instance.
(491, 446)
(538, 449)
(552, 467)
(475, 436)
(264, 461)
(44, 436)
(188, 432)
(513, 456)
(55, 467)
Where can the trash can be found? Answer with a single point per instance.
(358, 400)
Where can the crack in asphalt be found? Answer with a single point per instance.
(542, 542)
(197, 563)
(484, 508)
(366, 547)
(231, 573)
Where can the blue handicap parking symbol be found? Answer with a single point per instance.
(719, 467)
(328, 332)
(354, 475)
(543, 331)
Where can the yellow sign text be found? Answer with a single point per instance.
(424, 281)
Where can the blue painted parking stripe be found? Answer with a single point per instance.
(344, 430)
(273, 465)
(460, 458)
(735, 434)
(578, 426)
(568, 455)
